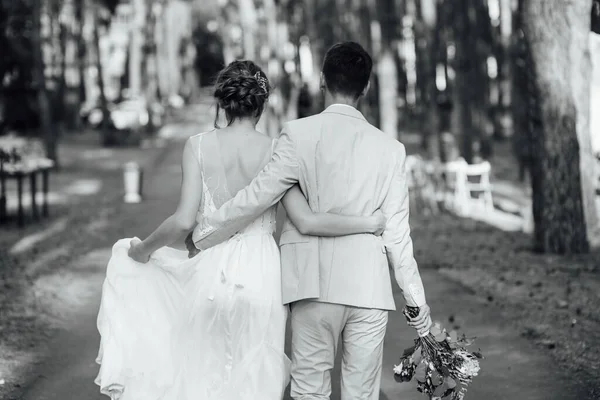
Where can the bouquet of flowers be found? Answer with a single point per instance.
(439, 362)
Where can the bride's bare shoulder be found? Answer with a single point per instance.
(199, 135)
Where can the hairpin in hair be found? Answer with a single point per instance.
(262, 82)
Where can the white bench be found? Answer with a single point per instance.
(463, 181)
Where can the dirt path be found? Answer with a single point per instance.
(513, 368)
(70, 368)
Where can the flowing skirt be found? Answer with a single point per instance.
(210, 327)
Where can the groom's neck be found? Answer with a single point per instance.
(331, 99)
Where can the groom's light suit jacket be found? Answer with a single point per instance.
(343, 165)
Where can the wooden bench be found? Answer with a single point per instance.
(30, 169)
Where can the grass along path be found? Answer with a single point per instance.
(551, 300)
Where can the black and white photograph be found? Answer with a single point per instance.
(300, 199)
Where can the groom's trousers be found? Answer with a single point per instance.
(316, 330)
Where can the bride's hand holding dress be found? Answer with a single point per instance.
(136, 251)
(141, 307)
(184, 217)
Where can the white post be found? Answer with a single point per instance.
(132, 178)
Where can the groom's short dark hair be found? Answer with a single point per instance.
(347, 68)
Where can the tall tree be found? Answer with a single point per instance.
(47, 125)
(502, 53)
(248, 19)
(226, 17)
(520, 55)
(80, 48)
(276, 39)
(60, 96)
(100, 76)
(387, 68)
(365, 34)
(484, 54)
(428, 30)
(564, 210)
(473, 39)
(322, 35)
(595, 16)
(464, 18)
(136, 47)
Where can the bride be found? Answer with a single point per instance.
(211, 326)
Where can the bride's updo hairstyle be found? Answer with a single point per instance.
(241, 91)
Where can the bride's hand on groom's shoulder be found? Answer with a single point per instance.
(379, 221)
(137, 252)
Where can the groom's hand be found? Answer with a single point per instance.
(422, 322)
(380, 222)
(190, 246)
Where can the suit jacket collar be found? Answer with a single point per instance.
(344, 109)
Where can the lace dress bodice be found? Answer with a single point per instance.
(215, 188)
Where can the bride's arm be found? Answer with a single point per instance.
(184, 218)
(326, 224)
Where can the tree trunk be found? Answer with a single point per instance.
(504, 122)
(387, 73)
(370, 103)
(81, 53)
(247, 12)
(224, 25)
(595, 16)
(150, 60)
(273, 113)
(521, 138)
(559, 66)
(317, 53)
(387, 69)
(465, 65)
(100, 72)
(482, 45)
(136, 44)
(319, 29)
(49, 129)
(61, 106)
(446, 98)
(580, 79)
(430, 32)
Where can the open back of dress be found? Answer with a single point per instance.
(228, 163)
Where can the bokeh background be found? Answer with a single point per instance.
(496, 101)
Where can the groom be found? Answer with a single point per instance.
(338, 288)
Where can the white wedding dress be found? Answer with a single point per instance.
(210, 327)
